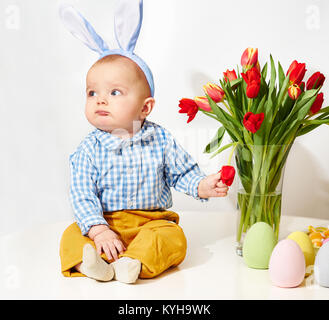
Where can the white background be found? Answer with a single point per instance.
(186, 44)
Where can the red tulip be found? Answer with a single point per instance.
(203, 103)
(252, 79)
(252, 89)
(315, 81)
(252, 122)
(227, 175)
(188, 106)
(215, 92)
(251, 75)
(317, 104)
(294, 91)
(249, 58)
(297, 72)
(230, 75)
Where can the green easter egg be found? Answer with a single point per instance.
(258, 245)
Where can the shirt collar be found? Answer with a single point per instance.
(113, 142)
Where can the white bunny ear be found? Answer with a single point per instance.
(128, 18)
(81, 29)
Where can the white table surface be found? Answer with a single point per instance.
(30, 267)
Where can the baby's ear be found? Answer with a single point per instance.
(128, 18)
(81, 28)
(148, 105)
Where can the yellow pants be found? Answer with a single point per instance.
(152, 237)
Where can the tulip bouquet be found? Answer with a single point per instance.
(263, 116)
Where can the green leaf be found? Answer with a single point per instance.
(246, 154)
(244, 97)
(298, 112)
(285, 108)
(321, 116)
(304, 104)
(229, 96)
(264, 71)
(209, 114)
(235, 82)
(323, 121)
(226, 119)
(231, 125)
(222, 149)
(307, 129)
(291, 127)
(281, 75)
(240, 100)
(302, 108)
(216, 141)
(324, 110)
(260, 107)
(247, 137)
(282, 94)
(308, 94)
(265, 130)
(273, 76)
(280, 130)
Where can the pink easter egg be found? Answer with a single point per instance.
(287, 264)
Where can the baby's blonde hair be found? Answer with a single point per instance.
(139, 73)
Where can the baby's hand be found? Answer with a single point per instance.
(109, 242)
(212, 186)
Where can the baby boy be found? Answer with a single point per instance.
(121, 175)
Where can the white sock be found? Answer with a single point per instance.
(93, 266)
(126, 269)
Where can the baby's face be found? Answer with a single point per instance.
(116, 97)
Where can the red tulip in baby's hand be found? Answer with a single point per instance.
(216, 185)
(227, 176)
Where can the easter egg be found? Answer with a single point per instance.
(287, 264)
(306, 245)
(321, 266)
(258, 245)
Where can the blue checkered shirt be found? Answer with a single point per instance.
(109, 173)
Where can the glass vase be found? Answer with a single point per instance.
(260, 171)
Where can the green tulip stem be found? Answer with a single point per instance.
(270, 210)
(250, 206)
(209, 114)
(228, 108)
(231, 154)
(249, 104)
(241, 201)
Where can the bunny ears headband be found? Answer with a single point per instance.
(128, 18)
